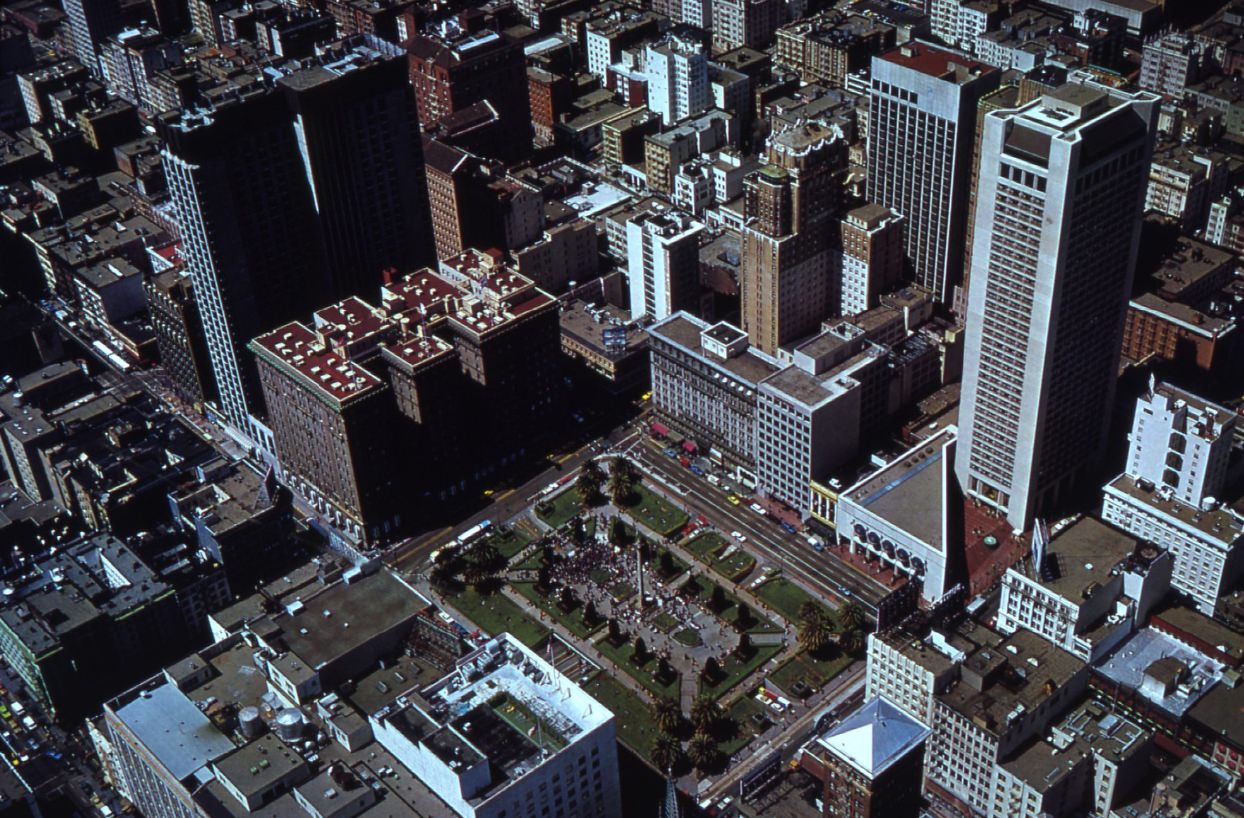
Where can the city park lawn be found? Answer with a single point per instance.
(496, 613)
(655, 511)
(814, 673)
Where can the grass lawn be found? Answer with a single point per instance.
(632, 714)
(622, 590)
(573, 621)
(814, 673)
(563, 508)
(734, 567)
(689, 637)
(621, 656)
(599, 576)
(531, 563)
(656, 512)
(785, 597)
(735, 671)
(705, 545)
(509, 543)
(496, 614)
(741, 713)
(664, 622)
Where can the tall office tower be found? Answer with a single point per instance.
(663, 264)
(90, 21)
(248, 229)
(354, 116)
(1057, 227)
(921, 121)
(872, 257)
(745, 23)
(791, 206)
(677, 71)
(451, 74)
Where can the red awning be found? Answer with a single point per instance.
(689, 445)
(658, 429)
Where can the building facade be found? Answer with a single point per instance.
(922, 115)
(1049, 292)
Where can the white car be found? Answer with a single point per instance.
(759, 509)
(738, 535)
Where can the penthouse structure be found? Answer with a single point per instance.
(505, 734)
(1085, 591)
(1177, 462)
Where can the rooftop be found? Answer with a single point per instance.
(908, 492)
(171, 728)
(301, 352)
(936, 62)
(750, 367)
(1218, 526)
(1136, 658)
(1003, 682)
(324, 626)
(1083, 556)
(874, 737)
(253, 768)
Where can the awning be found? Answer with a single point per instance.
(689, 446)
(659, 429)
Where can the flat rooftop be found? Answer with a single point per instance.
(172, 729)
(1022, 670)
(323, 370)
(357, 612)
(751, 366)
(256, 766)
(1083, 555)
(1219, 525)
(1135, 657)
(908, 492)
(936, 62)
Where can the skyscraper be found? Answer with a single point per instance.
(354, 115)
(309, 204)
(90, 21)
(1058, 223)
(248, 231)
(921, 121)
(791, 205)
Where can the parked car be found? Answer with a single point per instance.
(759, 509)
(738, 535)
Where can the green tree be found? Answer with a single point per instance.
(712, 670)
(851, 616)
(590, 615)
(702, 751)
(622, 480)
(666, 751)
(744, 648)
(666, 563)
(743, 617)
(852, 641)
(815, 631)
(717, 599)
(704, 714)
(591, 475)
(640, 654)
(666, 714)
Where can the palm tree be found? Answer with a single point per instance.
(704, 714)
(702, 750)
(621, 481)
(666, 714)
(851, 616)
(666, 751)
(808, 611)
(815, 632)
(851, 641)
(588, 483)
